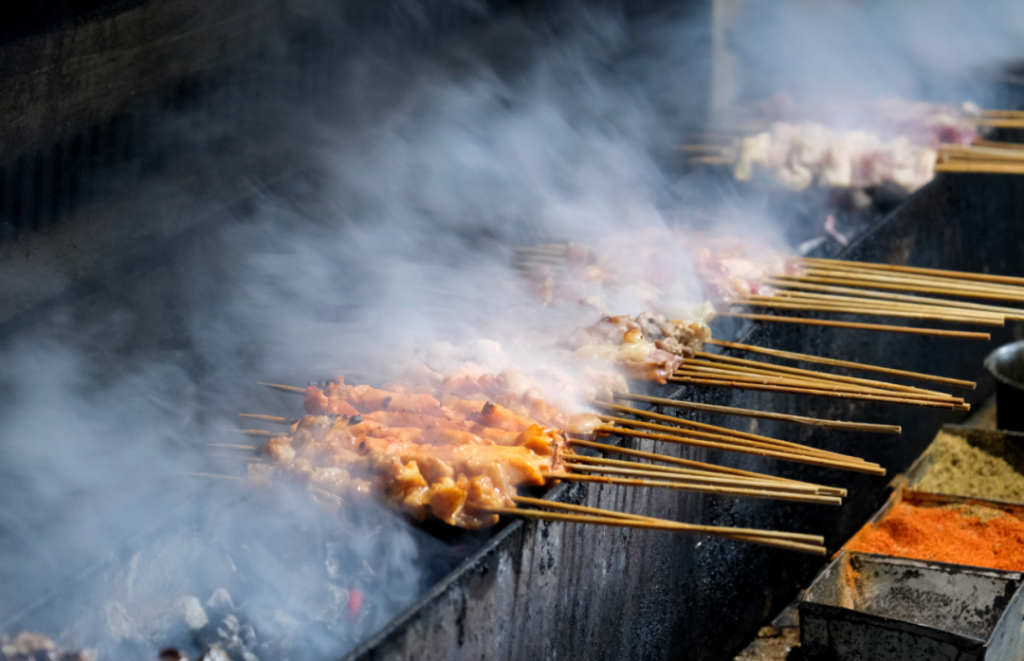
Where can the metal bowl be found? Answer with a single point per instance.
(1006, 364)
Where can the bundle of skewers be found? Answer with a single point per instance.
(462, 459)
(458, 448)
(783, 283)
(857, 288)
(465, 446)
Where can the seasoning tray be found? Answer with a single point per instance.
(913, 610)
(1005, 445)
(864, 606)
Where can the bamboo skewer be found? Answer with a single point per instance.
(868, 306)
(979, 152)
(723, 431)
(710, 480)
(728, 370)
(767, 387)
(712, 468)
(697, 488)
(999, 145)
(911, 278)
(1002, 113)
(942, 306)
(821, 360)
(583, 509)
(858, 326)
(654, 525)
(872, 297)
(763, 415)
(762, 442)
(742, 446)
(821, 387)
(233, 446)
(755, 365)
(278, 386)
(916, 270)
(859, 466)
(1000, 122)
(867, 310)
(576, 458)
(268, 418)
(752, 478)
(847, 279)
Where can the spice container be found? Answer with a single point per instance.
(951, 529)
(976, 463)
(869, 607)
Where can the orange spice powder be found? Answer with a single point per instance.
(953, 534)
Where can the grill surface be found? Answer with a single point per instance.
(523, 590)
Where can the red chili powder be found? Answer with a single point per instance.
(946, 534)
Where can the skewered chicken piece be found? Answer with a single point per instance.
(650, 347)
(451, 458)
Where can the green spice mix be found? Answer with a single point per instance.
(961, 469)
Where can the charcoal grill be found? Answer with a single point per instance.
(522, 590)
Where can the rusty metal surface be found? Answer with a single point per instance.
(865, 606)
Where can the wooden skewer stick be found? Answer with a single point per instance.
(688, 479)
(846, 364)
(232, 446)
(872, 297)
(864, 310)
(978, 152)
(278, 386)
(256, 432)
(268, 418)
(909, 278)
(766, 387)
(759, 478)
(940, 307)
(767, 444)
(917, 270)
(854, 280)
(711, 468)
(583, 509)
(999, 145)
(849, 324)
(764, 415)
(1000, 122)
(697, 488)
(850, 279)
(722, 431)
(744, 363)
(730, 371)
(1002, 113)
(859, 466)
(654, 525)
